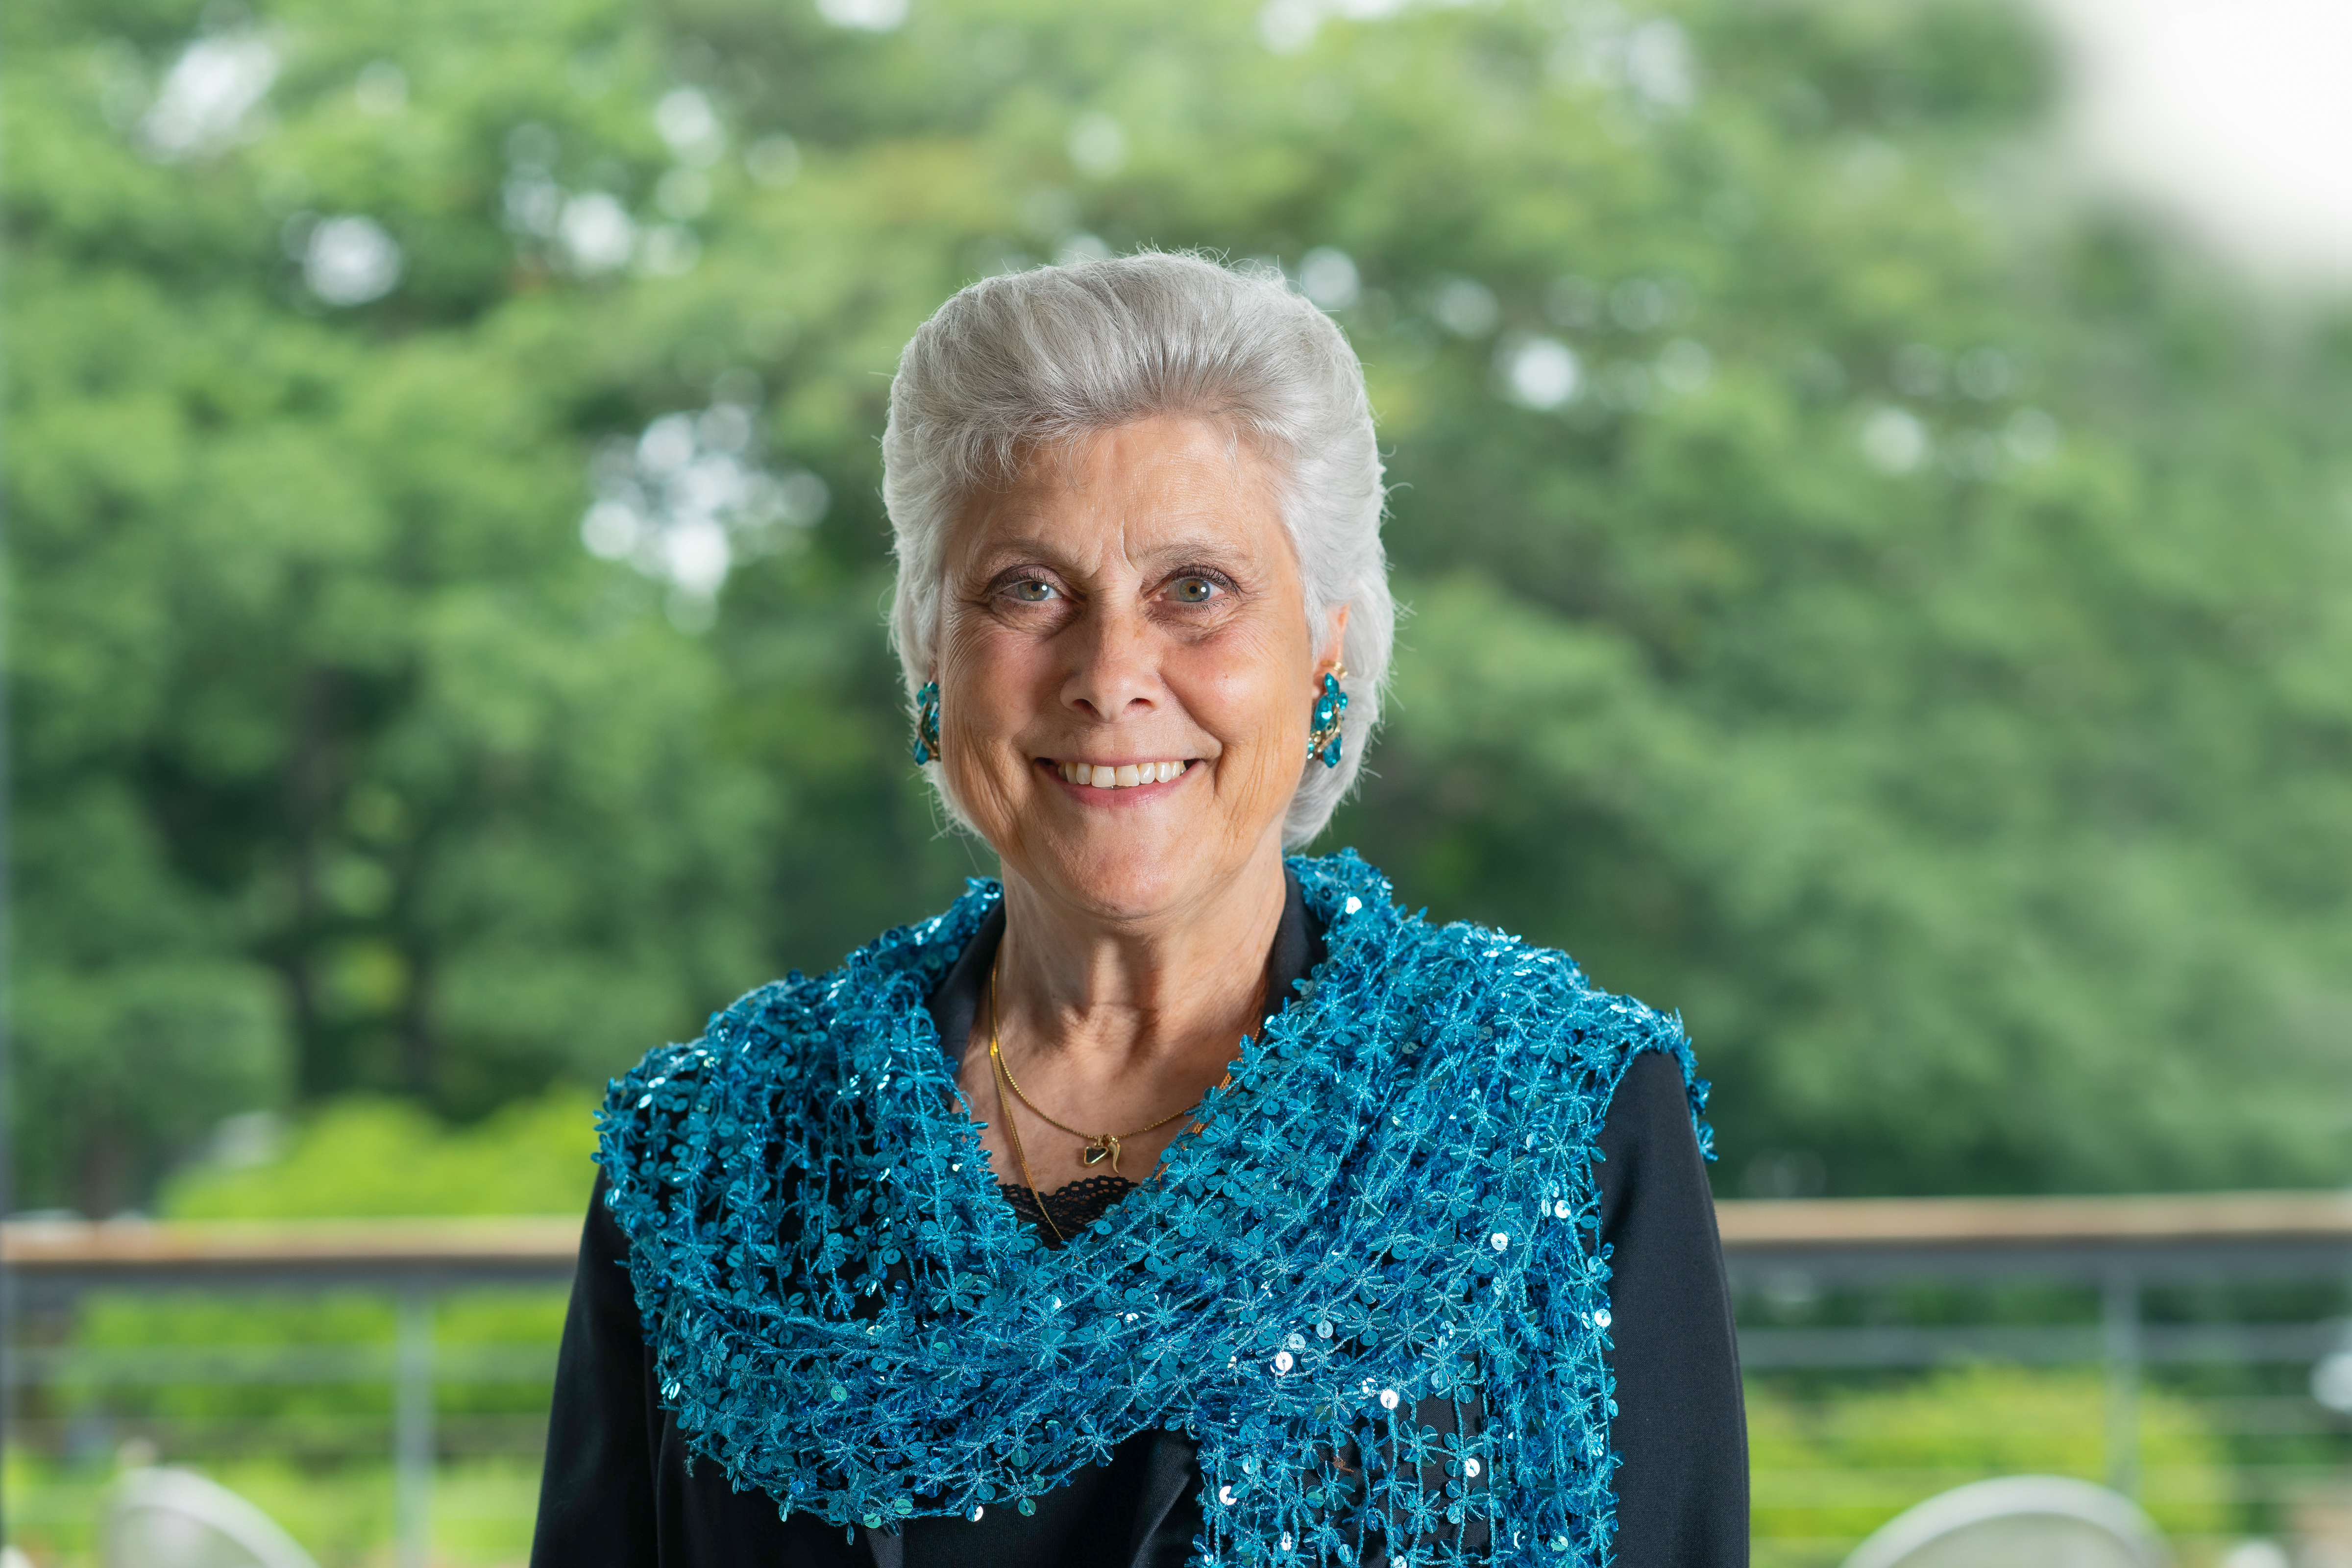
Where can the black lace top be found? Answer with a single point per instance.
(1072, 1208)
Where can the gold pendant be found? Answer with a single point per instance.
(1100, 1148)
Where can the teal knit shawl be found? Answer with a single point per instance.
(1390, 1212)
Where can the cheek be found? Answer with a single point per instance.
(987, 679)
(987, 696)
(1251, 694)
(1255, 703)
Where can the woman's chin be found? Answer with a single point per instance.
(1134, 868)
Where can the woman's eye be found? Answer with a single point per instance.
(1029, 591)
(1193, 590)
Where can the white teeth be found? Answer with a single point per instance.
(1126, 776)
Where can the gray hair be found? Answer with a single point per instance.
(1041, 357)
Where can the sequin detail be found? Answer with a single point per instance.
(846, 1313)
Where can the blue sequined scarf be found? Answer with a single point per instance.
(1369, 1285)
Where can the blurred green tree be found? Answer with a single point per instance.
(1861, 597)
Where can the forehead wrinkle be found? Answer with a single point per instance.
(1070, 462)
(1130, 529)
(1208, 548)
(1068, 453)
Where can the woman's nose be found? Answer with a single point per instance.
(1115, 671)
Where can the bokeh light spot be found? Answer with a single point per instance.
(349, 261)
(1542, 373)
(597, 232)
(1097, 145)
(688, 499)
(774, 161)
(207, 95)
(382, 88)
(1685, 366)
(1465, 307)
(690, 127)
(864, 15)
(2030, 435)
(1328, 275)
(1893, 440)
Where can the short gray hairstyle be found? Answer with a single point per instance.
(1037, 358)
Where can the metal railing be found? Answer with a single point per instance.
(54, 1265)
(2248, 1289)
(2116, 1250)
(2121, 1246)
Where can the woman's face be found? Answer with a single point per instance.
(1125, 670)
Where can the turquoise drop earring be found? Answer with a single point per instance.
(1324, 741)
(926, 722)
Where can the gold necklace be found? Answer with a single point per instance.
(1012, 1127)
(1099, 1146)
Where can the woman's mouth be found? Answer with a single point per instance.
(1116, 776)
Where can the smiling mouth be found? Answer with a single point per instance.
(1123, 775)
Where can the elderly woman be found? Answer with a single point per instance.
(1168, 1201)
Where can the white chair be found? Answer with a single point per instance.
(2018, 1521)
(163, 1518)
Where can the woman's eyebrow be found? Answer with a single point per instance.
(995, 552)
(1204, 550)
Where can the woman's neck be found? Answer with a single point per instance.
(1115, 997)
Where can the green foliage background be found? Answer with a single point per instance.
(1983, 806)
(1832, 1470)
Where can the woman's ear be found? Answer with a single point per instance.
(1335, 642)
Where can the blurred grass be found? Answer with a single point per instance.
(366, 1156)
(316, 1456)
(1827, 1469)
(482, 1509)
